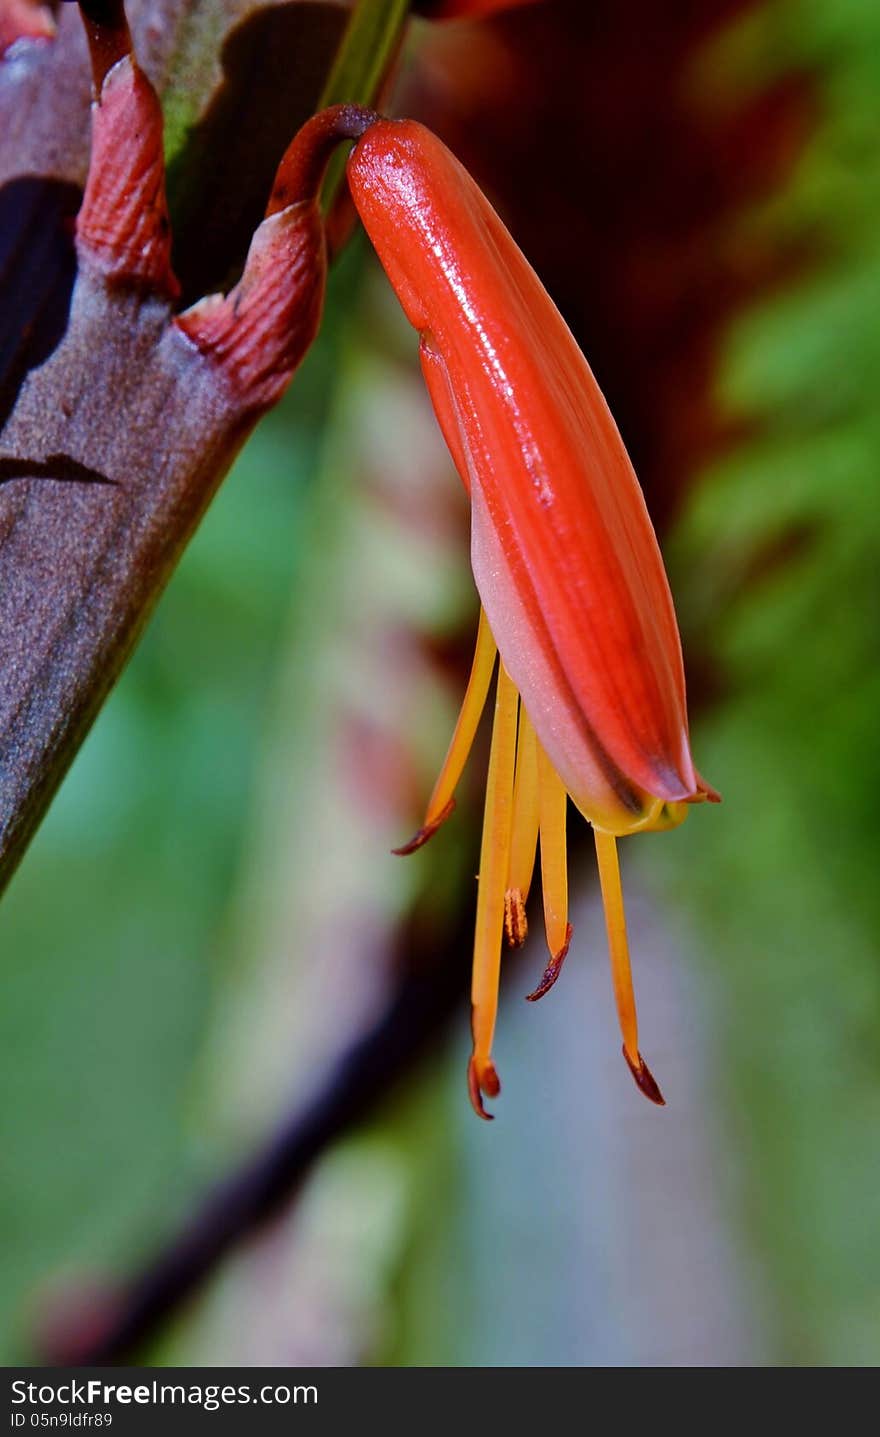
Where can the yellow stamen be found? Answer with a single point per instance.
(442, 801)
(494, 863)
(524, 840)
(668, 815)
(554, 869)
(621, 972)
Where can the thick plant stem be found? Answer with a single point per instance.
(114, 434)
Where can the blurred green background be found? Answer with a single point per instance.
(205, 917)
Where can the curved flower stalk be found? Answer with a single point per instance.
(590, 695)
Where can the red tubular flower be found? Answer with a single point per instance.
(591, 696)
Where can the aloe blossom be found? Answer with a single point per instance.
(590, 693)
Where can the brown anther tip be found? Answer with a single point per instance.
(486, 1082)
(516, 924)
(421, 838)
(553, 969)
(122, 229)
(644, 1079)
(259, 332)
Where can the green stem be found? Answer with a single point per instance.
(365, 52)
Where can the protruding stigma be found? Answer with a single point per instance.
(524, 838)
(442, 800)
(621, 972)
(494, 863)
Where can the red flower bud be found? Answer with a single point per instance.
(564, 557)
(564, 554)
